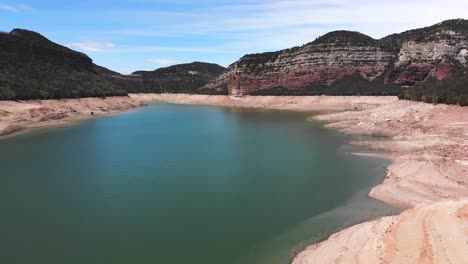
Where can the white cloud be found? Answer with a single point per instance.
(92, 46)
(15, 7)
(165, 61)
(276, 24)
(228, 29)
(145, 49)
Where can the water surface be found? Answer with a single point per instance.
(180, 184)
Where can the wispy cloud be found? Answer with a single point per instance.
(146, 49)
(15, 7)
(92, 46)
(165, 61)
(222, 31)
(281, 19)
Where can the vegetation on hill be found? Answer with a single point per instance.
(32, 67)
(182, 78)
(452, 90)
(342, 37)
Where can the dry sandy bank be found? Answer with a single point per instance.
(298, 103)
(18, 115)
(429, 145)
(434, 233)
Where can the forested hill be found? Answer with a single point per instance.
(33, 67)
(452, 90)
(182, 78)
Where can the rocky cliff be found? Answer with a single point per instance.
(402, 59)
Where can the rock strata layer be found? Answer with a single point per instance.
(402, 59)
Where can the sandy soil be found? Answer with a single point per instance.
(298, 103)
(19, 115)
(434, 233)
(429, 145)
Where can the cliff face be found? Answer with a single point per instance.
(402, 59)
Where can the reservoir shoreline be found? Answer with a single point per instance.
(428, 146)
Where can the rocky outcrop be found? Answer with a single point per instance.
(402, 59)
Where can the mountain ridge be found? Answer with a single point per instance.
(179, 78)
(338, 63)
(34, 67)
(405, 59)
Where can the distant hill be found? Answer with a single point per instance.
(427, 64)
(182, 78)
(33, 67)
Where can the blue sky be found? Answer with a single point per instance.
(126, 35)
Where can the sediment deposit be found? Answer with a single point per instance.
(18, 115)
(434, 233)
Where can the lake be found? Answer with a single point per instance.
(180, 184)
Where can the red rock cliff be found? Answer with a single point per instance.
(404, 59)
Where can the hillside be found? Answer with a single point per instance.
(452, 90)
(182, 78)
(413, 64)
(351, 63)
(33, 67)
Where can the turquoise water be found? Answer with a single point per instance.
(180, 184)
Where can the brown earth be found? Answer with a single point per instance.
(427, 234)
(18, 115)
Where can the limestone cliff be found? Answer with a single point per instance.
(402, 59)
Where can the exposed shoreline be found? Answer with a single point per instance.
(16, 116)
(428, 146)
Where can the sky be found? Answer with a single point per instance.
(130, 35)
